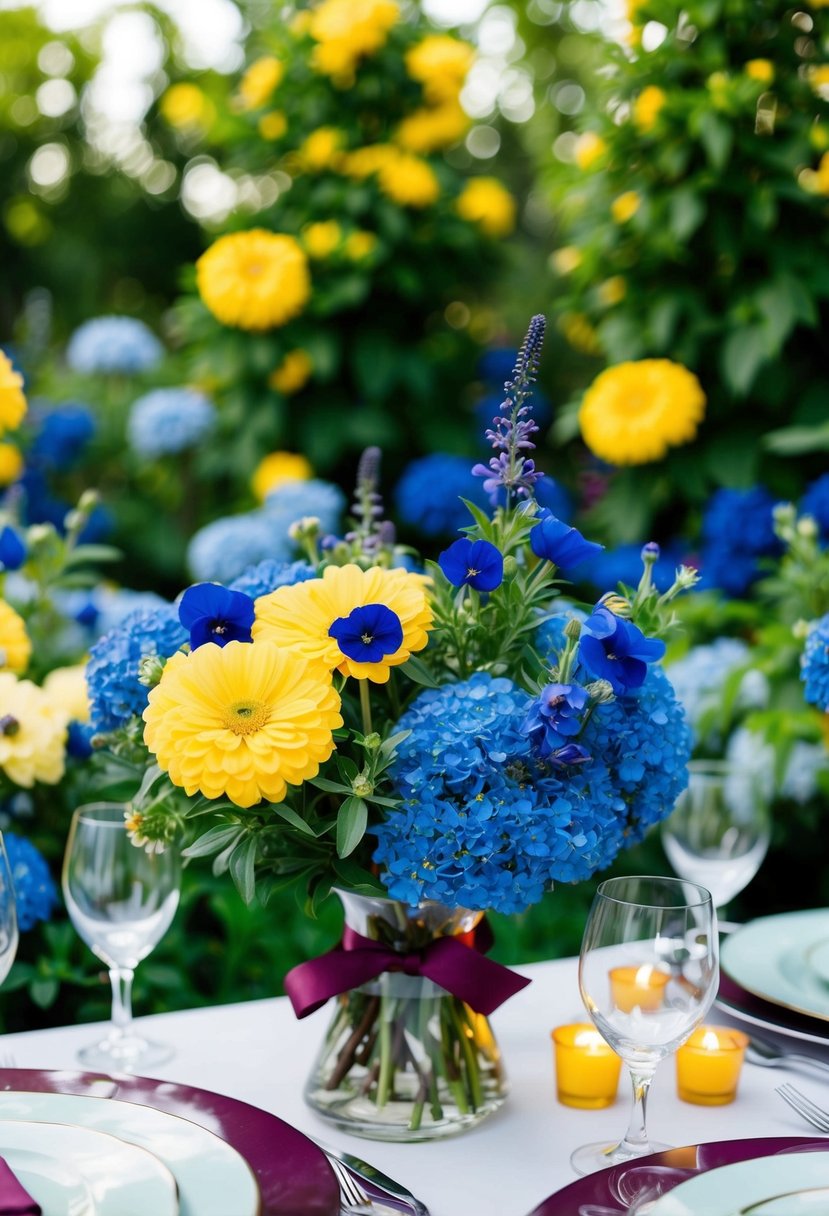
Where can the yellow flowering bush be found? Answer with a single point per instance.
(485, 202)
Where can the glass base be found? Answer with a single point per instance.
(600, 1155)
(124, 1053)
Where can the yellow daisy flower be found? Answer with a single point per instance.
(429, 130)
(293, 372)
(32, 734)
(259, 81)
(647, 107)
(241, 721)
(299, 617)
(485, 202)
(440, 63)
(11, 463)
(634, 412)
(12, 401)
(409, 181)
(321, 238)
(15, 647)
(65, 688)
(276, 470)
(186, 106)
(254, 280)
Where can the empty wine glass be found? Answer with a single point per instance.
(121, 900)
(719, 830)
(8, 914)
(648, 972)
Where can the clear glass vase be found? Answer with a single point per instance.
(403, 1059)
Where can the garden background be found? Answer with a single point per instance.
(654, 181)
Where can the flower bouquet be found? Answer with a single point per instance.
(429, 743)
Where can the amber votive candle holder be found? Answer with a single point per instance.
(587, 1069)
(708, 1065)
(638, 986)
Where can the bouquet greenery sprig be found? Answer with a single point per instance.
(461, 735)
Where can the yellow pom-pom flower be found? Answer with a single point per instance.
(761, 70)
(32, 734)
(254, 280)
(634, 412)
(273, 125)
(11, 463)
(647, 107)
(485, 202)
(15, 647)
(440, 63)
(625, 206)
(321, 150)
(429, 130)
(359, 245)
(241, 721)
(185, 106)
(12, 401)
(590, 148)
(65, 688)
(348, 30)
(409, 181)
(276, 469)
(321, 238)
(259, 82)
(293, 373)
(299, 617)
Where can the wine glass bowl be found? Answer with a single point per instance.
(9, 935)
(648, 973)
(121, 900)
(718, 833)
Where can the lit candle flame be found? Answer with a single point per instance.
(710, 1041)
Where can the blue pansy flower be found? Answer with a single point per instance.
(616, 650)
(368, 633)
(215, 614)
(12, 549)
(554, 717)
(473, 563)
(555, 541)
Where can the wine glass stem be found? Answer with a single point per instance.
(121, 980)
(636, 1136)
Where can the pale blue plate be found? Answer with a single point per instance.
(782, 959)
(734, 1189)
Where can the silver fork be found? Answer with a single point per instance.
(805, 1107)
(354, 1201)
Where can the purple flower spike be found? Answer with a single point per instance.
(468, 563)
(555, 541)
(615, 650)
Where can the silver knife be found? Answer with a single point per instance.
(370, 1173)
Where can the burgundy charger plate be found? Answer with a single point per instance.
(610, 1191)
(294, 1176)
(735, 999)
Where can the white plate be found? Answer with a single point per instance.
(772, 958)
(72, 1171)
(213, 1179)
(728, 1191)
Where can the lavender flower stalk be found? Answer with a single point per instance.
(372, 533)
(511, 430)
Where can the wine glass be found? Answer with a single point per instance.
(9, 936)
(648, 972)
(718, 833)
(121, 900)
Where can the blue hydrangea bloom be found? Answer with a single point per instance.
(815, 502)
(112, 671)
(62, 433)
(814, 665)
(483, 824)
(169, 420)
(113, 344)
(112, 605)
(265, 577)
(428, 494)
(644, 741)
(221, 550)
(36, 895)
(295, 499)
(737, 530)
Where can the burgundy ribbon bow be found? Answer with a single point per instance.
(454, 963)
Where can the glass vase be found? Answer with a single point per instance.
(403, 1059)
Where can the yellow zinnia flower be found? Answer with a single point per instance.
(276, 469)
(590, 148)
(15, 647)
(32, 734)
(254, 280)
(322, 149)
(409, 181)
(65, 688)
(12, 401)
(647, 106)
(299, 617)
(259, 81)
(634, 412)
(429, 130)
(241, 721)
(761, 70)
(440, 63)
(273, 125)
(359, 245)
(11, 463)
(625, 206)
(321, 238)
(485, 202)
(347, 30)
(293, 372)
(185, 105)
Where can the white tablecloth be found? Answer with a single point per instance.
(258, 1052)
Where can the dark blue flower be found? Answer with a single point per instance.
(12, 549)
(815, 665)
(473, 563)
(35, 893)
(624, 565)
(368, 633)
(79, 740)
(62, 434)
(554, 541)
(616, 650)
(737, 530)
(555, 717)
(428, 495)
(215, 614)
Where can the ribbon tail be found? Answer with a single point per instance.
(311, 984)
(477, 981)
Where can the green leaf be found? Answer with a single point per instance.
(242, 864)
(686, 212)
(92, 553)
(419, 673)
(796, 440)
(330, 787)
(717, 138)
(744, 351)
(44, 992)
(291, 816)
(352, 820)
(214, 840)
